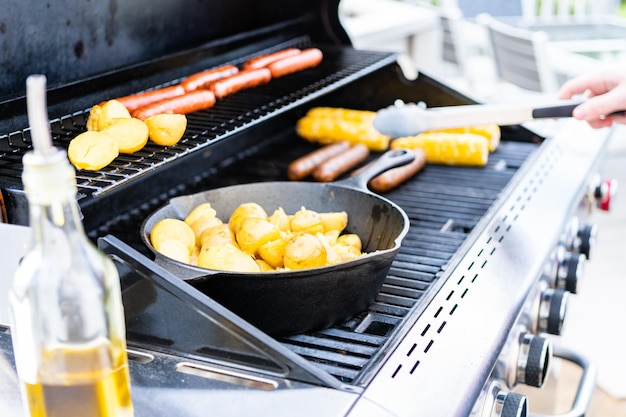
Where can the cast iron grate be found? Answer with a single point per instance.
(229, 115)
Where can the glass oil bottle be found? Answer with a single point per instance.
(67, 326)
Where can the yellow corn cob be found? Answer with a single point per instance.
(342, 113)
(448, 148)
(490, 131)
(325, 130)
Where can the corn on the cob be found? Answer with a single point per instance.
(490, 131)
(342, 113)
(325, 130)
(448, 148)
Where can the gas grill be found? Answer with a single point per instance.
(481, 278)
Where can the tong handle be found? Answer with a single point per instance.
(564, 110)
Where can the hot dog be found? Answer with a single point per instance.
(240, 81)
(393, 177)
(204, 78)
(187, 103)
(308, 58)
(264, 60)
(332, 168)
(134, 101)
(304, 166)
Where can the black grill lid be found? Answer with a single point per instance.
(73, 41)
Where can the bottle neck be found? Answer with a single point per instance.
(59, 213)
(50, 185)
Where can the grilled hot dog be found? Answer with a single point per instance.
(240, 81)
(339, 164)
(393, 177)
(264, 60)
(134, 101)
(308, 58)
(304, 166)
(204, 78)
(187, 103)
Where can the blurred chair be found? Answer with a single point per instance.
(464, 50)
(520, 56)
(452, 50)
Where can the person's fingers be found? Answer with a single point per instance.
(600, 123)
(599, 106)
(592, 83)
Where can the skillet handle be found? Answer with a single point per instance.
(386, 161)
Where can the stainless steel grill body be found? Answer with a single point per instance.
(466, 276)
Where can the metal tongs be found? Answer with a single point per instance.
(410, 119)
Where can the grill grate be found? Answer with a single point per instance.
(437, 197)
(229, 115)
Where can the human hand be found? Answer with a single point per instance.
(606, 93)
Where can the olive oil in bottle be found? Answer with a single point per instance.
(67, 316)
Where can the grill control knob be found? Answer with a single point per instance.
(513, 404)
(585, 240)
(579, 239)
(552, 309)
(604, 192)
(533, 359)
(570, 271)
(500, 403)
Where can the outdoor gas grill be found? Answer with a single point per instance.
(483, 275)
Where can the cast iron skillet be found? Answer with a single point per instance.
(290, 302)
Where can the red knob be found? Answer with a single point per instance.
(604, 194)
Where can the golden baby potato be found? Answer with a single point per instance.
(345, 253)
(334, 221)
(281, 220)
(307, 221)
(101, 115)
(273, 252)
(227, 258)
(92, 151)
(201, 210)
(166, 129)
(264, 266)
(303, 251)
(329, 240)
(168, 229)
(193, 258)
(175, 249)
(254, 232)
(329, 237)
(203, 224)
(218, 236)
(130, 134)
(351, 240)
(244, 211)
